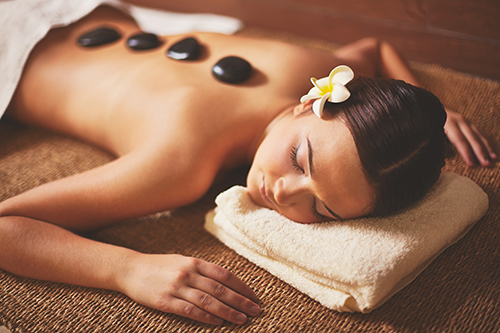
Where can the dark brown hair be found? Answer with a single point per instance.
(399, 135)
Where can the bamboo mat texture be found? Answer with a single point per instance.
(458, 292)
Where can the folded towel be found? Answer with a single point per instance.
(352, 265)
(24, 22)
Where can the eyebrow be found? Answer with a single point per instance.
(311, 171)
(310, 157)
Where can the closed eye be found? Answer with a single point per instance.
(293, 158)
(317, 214)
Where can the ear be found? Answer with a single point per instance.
(303, 107)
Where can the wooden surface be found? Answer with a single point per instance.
(459, 34)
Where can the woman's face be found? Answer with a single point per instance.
(308, 170)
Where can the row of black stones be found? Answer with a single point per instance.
(229, 69)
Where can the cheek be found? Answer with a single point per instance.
(269, 163)
(276, 153)
(264, 160)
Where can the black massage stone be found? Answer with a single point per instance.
(186, 49)
(232, 70)
(99, 37)
(143, 41)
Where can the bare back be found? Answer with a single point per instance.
(105, 94)
(173, 124)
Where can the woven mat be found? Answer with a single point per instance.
(459, 291)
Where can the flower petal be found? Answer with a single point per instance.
(315, 92)
(307, 97)
(322, 84)
(331, 86)
(341, 74)
(339, 93)
(319, 104)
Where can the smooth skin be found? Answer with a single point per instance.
(305, 177)
(173, 129)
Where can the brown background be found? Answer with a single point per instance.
(460, 34)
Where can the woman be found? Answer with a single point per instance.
(173, 128)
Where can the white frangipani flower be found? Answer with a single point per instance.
(331, 88)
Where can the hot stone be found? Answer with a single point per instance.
(232, 70)
(186, 49)
(143, 41)
(99, 37)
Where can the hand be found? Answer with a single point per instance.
(189, 287)
(468, 140)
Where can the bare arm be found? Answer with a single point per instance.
(172, 283)
(126, 187)
(374, 57)
(143, 182)
(467, 138)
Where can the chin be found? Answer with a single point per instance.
(253, 191)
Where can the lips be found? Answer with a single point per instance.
(264, 195)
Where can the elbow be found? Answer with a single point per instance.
(2, 210)
(372, 42)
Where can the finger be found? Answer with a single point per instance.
(227, 296)
(213, 306)
(486, 143)
(460, 142)
(226, 278)
(475, 141)
(184, 308)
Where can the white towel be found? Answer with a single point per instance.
(24, 22)
(353, 265)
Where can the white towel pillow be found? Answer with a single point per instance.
(353, 265)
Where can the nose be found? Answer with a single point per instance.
(287, 191)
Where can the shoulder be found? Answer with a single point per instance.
(264, 51)
(283, 69)
(173, 173)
